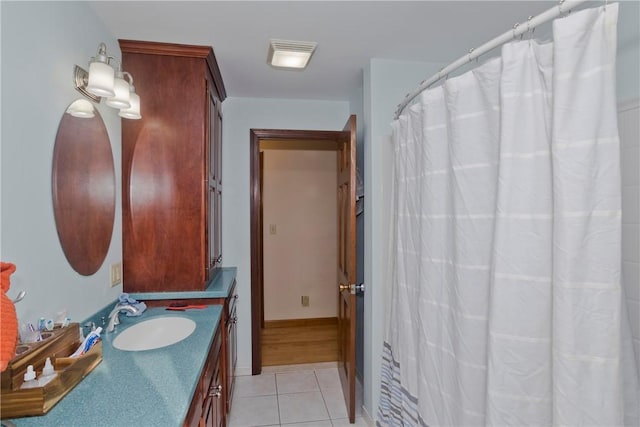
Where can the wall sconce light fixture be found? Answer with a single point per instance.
(81, 108)
(105, 81)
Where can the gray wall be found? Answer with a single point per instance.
(628, 60)
(241, 115)
(41, 42)
(385, 84)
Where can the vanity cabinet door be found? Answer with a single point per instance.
(213, 411)
(207, 404)
(217, 413)
(232, 353)
(194, 415)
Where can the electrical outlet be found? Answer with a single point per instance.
(272, 229)
(305, 300)
(116, 274)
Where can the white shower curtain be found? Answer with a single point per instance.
(507, 307)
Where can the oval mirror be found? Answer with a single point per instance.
(83, 187)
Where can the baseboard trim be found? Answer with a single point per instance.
(367, 418)
(292, 323)
(243, 371)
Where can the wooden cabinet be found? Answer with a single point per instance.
(208, 404)
(171, 168)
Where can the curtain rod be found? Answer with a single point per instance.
(564, 6)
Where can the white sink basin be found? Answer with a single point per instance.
(154, 333)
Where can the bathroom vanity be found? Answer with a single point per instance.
(153, 387)
(188, 383)
(215, 393)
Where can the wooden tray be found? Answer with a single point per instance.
(16, 402)
(57, 343)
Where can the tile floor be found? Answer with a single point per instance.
(293, 396)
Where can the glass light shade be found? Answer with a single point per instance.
(121, 97)
(290, 59)
(101, 79)
(81, 108)
(133, 112)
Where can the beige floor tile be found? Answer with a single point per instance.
(328, 378)
(296, 382)
(334, 400)
(257, 385)
(254, 411)
(302, 407)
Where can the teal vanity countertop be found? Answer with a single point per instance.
(219, 287)
(143, 388)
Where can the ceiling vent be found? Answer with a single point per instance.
(290, 53)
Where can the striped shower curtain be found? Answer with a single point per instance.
(507, 308)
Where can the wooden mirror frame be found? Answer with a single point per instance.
(83, 191)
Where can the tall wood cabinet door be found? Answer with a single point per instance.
(163, 176)
(212, 180)
(214, 164)
(218, 175)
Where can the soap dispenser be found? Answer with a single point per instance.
(29, 378)
(48, 373)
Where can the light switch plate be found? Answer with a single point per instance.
(116, 274)
(305, 301)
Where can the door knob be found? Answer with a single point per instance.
(344, 287)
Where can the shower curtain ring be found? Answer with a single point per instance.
(529, 29)
(515, 26)
(560, 7)
(470, 52)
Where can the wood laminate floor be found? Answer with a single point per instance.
(290, 342)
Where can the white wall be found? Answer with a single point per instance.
(41, 42)
(300, 254)
(241, 115)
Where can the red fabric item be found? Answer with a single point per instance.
(8, 318)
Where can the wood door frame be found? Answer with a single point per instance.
(257, 284)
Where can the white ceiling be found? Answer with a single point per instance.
(348, 33)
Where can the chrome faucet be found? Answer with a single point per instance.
(113, 317)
